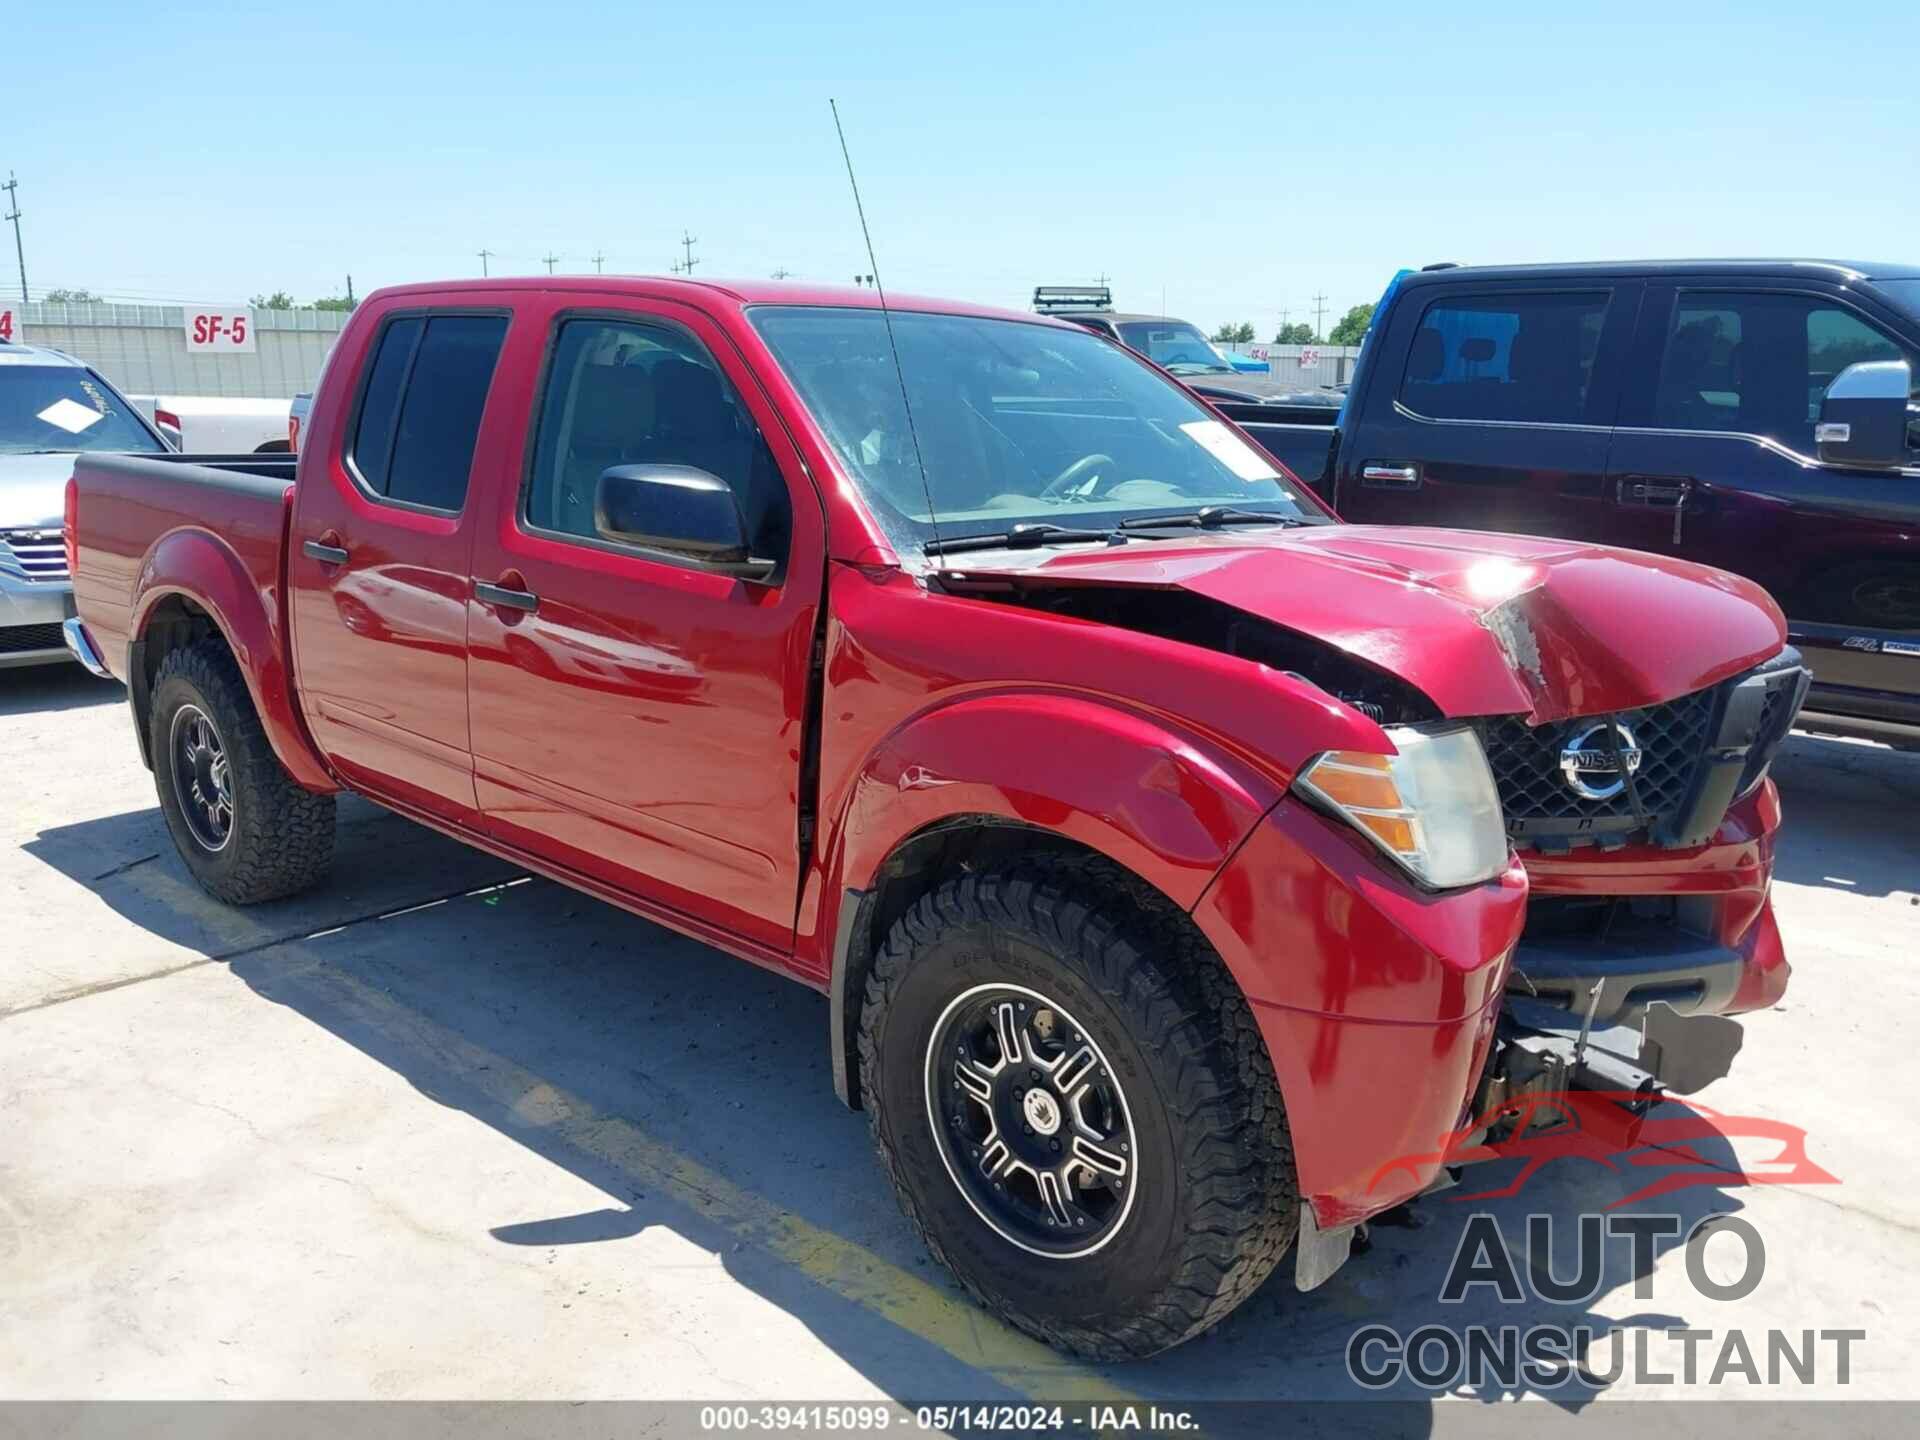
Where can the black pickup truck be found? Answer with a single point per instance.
(1756, 415)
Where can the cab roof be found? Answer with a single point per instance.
(17, 351)
(1838, 270)
(740, 292)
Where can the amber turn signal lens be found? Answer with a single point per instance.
(1343, 779)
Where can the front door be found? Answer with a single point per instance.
(638, 717)
(379, 563)
(1722, 415)
(1501, 416)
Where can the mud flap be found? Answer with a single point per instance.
(1318, 1254)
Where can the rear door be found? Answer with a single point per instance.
(379, 564)
(638, 717)
(1719, 415)
(1500, 413)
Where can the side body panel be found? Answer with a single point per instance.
(150, 530)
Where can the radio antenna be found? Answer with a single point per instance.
(886, 316)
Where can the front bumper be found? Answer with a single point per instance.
(1377, 1001)
(1611, 933)
(31, 614)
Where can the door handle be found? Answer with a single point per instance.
(1391, 474)
(1658, 492)
(325, 554)
(503, 598)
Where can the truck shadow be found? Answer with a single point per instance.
(1849, 815)
(692, 1091)
(39, 688)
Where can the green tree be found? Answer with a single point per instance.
(278, 300)
(73, 296)
(1224, 335)
(1298, 333)
(335, 302)
(1352, 326)
(1243, 333)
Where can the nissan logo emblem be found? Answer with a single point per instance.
(1589, 766)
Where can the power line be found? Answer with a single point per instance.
(12, 187)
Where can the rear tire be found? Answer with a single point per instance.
(1136, 1049)
(244, 829)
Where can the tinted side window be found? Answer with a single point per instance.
(372, 446)
(623, 393)
(440, 412)
(1759, 364)
(1505, 357)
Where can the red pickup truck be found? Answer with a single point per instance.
(1148, 828)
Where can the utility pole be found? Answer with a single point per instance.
(597, 258)
(12, 187)
(687, 242)
(350, 299)
(1319, 315)
(485, 255)
(549, 260)
(782, 273)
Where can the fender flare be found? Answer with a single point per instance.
(1103, 776)
(199, 567)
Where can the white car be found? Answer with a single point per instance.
(216, 425)
(51, 408)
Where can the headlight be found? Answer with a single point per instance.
(1433, 807)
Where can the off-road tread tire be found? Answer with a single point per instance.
(1155, 966)
(283, 835)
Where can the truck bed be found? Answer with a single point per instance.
(129, 509)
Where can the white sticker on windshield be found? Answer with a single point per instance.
(70, 416)
(1230, 450)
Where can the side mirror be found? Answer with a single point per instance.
(678, 509)
(1864, 420)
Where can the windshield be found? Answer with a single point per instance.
(1017, 424)
(1175, 345)
(61, 408)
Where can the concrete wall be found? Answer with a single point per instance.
(143, 348)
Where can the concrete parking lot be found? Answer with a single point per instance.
(439, 1130)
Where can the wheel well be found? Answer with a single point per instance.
(918, 864)
(175, 623)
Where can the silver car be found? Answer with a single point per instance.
(51, 407)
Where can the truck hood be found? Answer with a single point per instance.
(33, 490)
(1482, 624)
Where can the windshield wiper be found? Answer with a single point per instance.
(1210, 517)
(1020, 537)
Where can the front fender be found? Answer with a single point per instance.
(1123, 783)
(198, 566)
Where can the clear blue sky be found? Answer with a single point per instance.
(1242, 157)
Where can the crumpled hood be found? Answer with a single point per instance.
(1482, 624)
(33, 490)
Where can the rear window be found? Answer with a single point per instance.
(420, 415)
(1505, 357)
(46, 409)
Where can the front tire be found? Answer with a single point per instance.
(1075, 1108)
(244, 829)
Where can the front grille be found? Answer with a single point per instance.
(1526, 763)
(19, 639)
(33, 554)
(1697, 755)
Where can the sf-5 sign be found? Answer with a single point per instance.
(227, 330)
